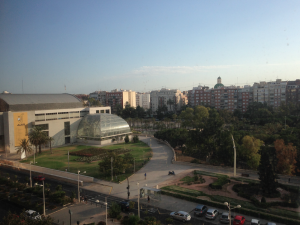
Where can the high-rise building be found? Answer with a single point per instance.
(120, 97)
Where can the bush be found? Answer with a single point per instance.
(58, 188)
(135, 139)
(114, 210)
(126, 139)
(101, 223)
(169, 220)
(196, 178)
(263, 200)
(195, 161)
(219, 183)
(131, 220)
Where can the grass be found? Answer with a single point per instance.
(244, 180)
(59, 159)
(211, 174)
(188, 179)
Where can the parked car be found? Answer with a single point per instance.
(239, 220)
(270, 223)
(33, 214)
(212, 214)
(124, 205)
(224, 218)
(39, 178)
(255, 222)
(181, 215)
(200, 210)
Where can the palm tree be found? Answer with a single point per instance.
(24, 147)
(37, 137)
(50, 139)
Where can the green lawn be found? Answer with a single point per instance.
(59, 159)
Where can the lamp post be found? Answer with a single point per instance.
(228, 206)
(111, 161)
(30, 179)
(78, 186)
(138, 199)
(106, 210)
(234, 149)
(44, 198)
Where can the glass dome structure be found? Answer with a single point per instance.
(102, 125)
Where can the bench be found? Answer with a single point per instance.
(245, 175)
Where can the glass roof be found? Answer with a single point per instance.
(102, 125)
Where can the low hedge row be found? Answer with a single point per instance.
(219, 183)
(240, 210)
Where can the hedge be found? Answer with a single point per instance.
(240, 210)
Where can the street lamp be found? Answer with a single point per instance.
(234, 149)
(44, 199)
(78, 186)
(228, 206)
(106, 210)
(111, 160)
(30, 174)
(138, 199)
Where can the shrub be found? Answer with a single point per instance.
(169, 220)
(131, 220)
(196, 178)
(219, 183)
(131, 205)
(114, 210)
(195, 161)
(58, 188)
(126, 139)
(263, 200)
(119, 217)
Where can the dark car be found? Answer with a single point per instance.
(39, 178)
(200, 210)
(124, 205)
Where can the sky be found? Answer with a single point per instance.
(75, 47)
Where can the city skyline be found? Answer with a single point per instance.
(144, 46)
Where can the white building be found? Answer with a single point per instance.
(168, 97)
(143, 100)
(58, 114)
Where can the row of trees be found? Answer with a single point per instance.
(37, 138)
(207, 134)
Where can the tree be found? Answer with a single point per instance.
(14, 219)
(24, 147)
(140, 112)
(128, 112)
(114, 210)
(94, 102)
(266, 173)
(286, 155)
(250, 149)
(126, 139)
(37, 137)
(194, 118)
(50, 139)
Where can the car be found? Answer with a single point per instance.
(212, 214)
(255, 222)
(224, 218)
(39, 178)
(181, 215)
(33, 214)
(124, 205)
(200, 210)
(239, 220)
(270, 223)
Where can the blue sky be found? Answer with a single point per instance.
(145, 45)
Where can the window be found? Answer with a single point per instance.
(67, 128)
(97, 111)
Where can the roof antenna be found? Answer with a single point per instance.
(22, 86)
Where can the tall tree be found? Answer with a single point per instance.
(24, 147)
(50, 139)
(250, 151)
(266, 172)
(286, 156)
(37, 137)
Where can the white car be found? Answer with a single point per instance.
(255, 222)
(33, 214)
(181, 215)
(212, 214)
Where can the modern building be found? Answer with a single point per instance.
(120, 97)
(171, 98)
(99, 96)
(58, 114)
(143, 100)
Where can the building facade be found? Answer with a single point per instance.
(293, 92)
(120, 97)
(143, 100)
(57, 114)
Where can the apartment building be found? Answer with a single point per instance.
(121, 97)
(143, 100)
(273, 93)
(168, 97)
(293, 92)
(245, 97)
(99, 96)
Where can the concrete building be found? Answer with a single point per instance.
(58, 114)
(293, 92)
(273, 93)
(99, 96)
(168, 97)
(143, 100)
(120, 97)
